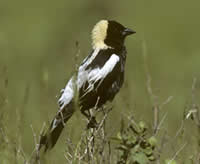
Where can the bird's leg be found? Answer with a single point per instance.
(85, 114)
(92, 123)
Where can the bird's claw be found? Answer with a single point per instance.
(92, 123)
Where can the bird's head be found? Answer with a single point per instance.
(109, 34)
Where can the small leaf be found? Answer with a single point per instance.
(152, 158)
(148, 151)
(140, 158)
(115, 139)
(133, 140)
(137, 148)
(122, 147)
(119, 136)
(152, 141)
(142, 126)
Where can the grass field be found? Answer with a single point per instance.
(162, 84)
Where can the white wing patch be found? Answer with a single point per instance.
(100, 74)
(91, 76)
(82, 73)
(67, 95)
(68, 91)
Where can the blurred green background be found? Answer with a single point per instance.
(37, 57)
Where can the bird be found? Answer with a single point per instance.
(97, 81)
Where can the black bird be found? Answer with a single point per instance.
(99, 78)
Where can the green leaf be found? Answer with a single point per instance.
(142, 126)
(133, 139)
(140, 158)
(133, 152)
(152, 158)
(115, 139)
(122, 147)
(148, 151)
(152, 141)
(119, 136)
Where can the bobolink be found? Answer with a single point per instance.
(99, 78)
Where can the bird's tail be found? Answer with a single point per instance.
(49, 139)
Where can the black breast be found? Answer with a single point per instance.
(107, 89)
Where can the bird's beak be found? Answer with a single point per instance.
(128, 31)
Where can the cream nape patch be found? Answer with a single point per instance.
(99, 33)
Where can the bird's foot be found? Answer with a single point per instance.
(92, 123)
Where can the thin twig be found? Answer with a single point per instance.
(37, 158)
(161, 122)
(42, 130)
(167, 101)
(176, 154)
(194, 82)
(4, 136)
(69, 160)
(179, 130)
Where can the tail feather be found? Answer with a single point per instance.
(50, 138)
